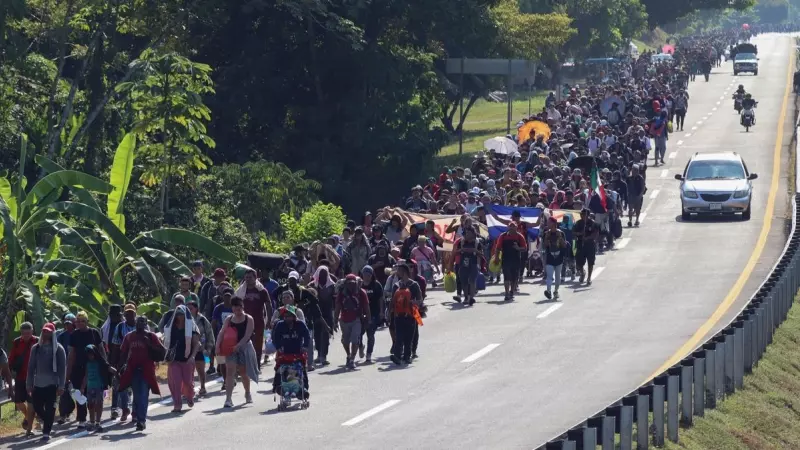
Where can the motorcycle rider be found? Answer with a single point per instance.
(738, 96)
(740, 90)
(748, 104)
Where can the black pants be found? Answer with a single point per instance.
(322, 341)
(77, 378)
(681, 115)
(44, 403)
(415, 339)
(65, 404)
(405, 327)
(458, 282)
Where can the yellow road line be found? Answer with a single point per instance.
(736, 289)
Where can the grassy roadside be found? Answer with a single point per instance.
(763, 415)
(488, 119)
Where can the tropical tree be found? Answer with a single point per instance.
(74, 254)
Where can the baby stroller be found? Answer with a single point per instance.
(292, 381)
(535, 263)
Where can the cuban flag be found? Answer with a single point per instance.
(497, 227)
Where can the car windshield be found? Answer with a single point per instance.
(745, 56)
(715, 170)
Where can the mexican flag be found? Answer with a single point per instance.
(597, 186)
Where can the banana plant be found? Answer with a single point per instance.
(107, 246)
(32, 261)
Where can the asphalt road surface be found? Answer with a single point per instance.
(513, 375)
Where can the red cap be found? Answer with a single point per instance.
(49, 327)
(351, 277)
(220, 272)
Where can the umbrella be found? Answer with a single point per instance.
(533, 128)
(745, 26)
(608, 103)
(501, 145)
(668, 49)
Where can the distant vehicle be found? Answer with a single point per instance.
(716, 184)
(745, 62)
(661, 57)
(633, 50)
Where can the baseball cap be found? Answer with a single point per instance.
(49, 327)
(197, 263)
(220, 272)
(294, 274)
(130, 307)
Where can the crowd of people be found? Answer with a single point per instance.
(587, 152)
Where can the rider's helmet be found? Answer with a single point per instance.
(748, 95)
(741, 87)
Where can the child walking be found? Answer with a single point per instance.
(94, 385)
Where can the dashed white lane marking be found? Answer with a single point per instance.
(622, 243)
(362, 417)
(680, 142)
(721, 97)
(549, 310)
(654, 194)
(673, 155)
(480, 353)
(700, 122)
(694, 128)
(719, 103)
(688, 135)
(642, 217)
(711, 112)
(597, 271)
(114, 422)
(713, 109)
(664, 173)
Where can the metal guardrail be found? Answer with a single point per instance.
(712, 371)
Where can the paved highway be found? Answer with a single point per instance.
(512, 375)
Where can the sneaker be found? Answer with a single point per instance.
(361, 351)
(248, 398)
(351, 364)
(211, 371)
(407, 361)
(581, 277)
(548, 294)
(81, 425)
(61, 420)
(190, 403)
(125, 413)
(457, 298)
(28, 433)
(317, 361)
(114, 414)
(202, 392)
(472, 301)
(98, 428)
(368, 359)
(630, 224)
(555, 295)
(310, 368)
(396, 360)
(229, 403)
(139, 426)
(326, 363)
(45, 438)
(414, 356)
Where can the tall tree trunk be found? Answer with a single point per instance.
(96, 97)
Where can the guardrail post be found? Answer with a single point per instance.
(585, 438)
(564, 444)
(605, 431)
(747, 340)
(738, 351)
(673, 390)
(658, 414)
(719, 367)
(729, 350)
(710, 351)
(642, 421)
(698, 379)
(770, 320)
(758, 332)
(687, 382)
(626, 428)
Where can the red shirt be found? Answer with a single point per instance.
(20, 348)
(254, 303)
(352, 313)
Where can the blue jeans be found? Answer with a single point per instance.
(121, 399)
(141, 396)
(372, 327)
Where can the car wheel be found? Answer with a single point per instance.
(685, 216)
(735, 73)
(746, 213)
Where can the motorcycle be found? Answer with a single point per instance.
(737, 104)
(747, 119)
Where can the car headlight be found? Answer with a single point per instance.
(741, 194)
(690, 194)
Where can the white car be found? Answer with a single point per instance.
(716, 184)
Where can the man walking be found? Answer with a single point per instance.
(47, 370)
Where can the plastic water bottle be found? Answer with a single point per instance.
(207, 359)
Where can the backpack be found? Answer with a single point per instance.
(401, 302)
(350, 303)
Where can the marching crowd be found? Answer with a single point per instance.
(587, 152)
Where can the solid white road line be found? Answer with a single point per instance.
(362, 417)
(112, 423)
(482, 352)
(654, 194)
(664, 173)
(673, 155)
(597, 271)
(622, 243)
(680, 142)
(549, 310)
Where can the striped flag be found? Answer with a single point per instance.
(597, 186)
